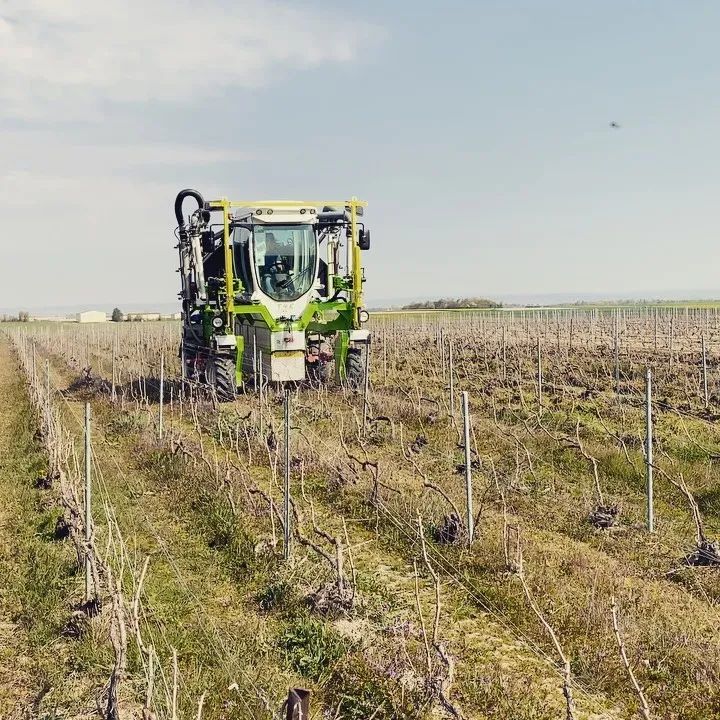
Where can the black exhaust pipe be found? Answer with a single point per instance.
(178, 208)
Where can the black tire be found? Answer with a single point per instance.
(220, 375)
(355, 368)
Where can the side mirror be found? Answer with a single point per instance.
(364, 239)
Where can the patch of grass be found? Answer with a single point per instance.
(47, 523)
(123, 424)
(225, 533)
(311, 647)
(709, 500)
(359, 692)
(278, 595)
(617, 475)
(43, 590)
(498, 693)
(196, 498)
(166, 467)
(691, 453)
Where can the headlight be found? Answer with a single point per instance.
(363, 316)
(217, 322)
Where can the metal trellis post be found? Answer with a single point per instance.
(468, 465)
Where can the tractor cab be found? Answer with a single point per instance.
(276, 257)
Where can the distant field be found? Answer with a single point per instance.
(567, 309)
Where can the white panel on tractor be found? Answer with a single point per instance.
(285, 367)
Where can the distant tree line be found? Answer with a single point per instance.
(119, 316)
(22, 316)
(453, 304)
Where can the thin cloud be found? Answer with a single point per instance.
(43, 152)
(68, 58)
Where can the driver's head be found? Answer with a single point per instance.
(270, 241)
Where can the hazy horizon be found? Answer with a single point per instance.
(509, 299)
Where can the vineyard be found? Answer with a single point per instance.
(200, 589)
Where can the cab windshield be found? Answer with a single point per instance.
(285, 259)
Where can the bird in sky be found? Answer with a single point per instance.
(613, 124)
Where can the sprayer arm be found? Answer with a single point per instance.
(178, 208)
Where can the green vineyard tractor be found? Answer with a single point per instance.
(272, 291)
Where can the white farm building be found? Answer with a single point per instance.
(91, 316)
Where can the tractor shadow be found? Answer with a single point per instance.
(147, 389)
(144, 388)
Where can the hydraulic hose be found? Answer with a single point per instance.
(178, 208)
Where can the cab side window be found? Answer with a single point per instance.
(241, 257)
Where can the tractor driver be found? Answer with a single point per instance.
(276, 279)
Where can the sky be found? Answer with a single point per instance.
(479, 133)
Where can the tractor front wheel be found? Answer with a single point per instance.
(355, 367)
(220, 375)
